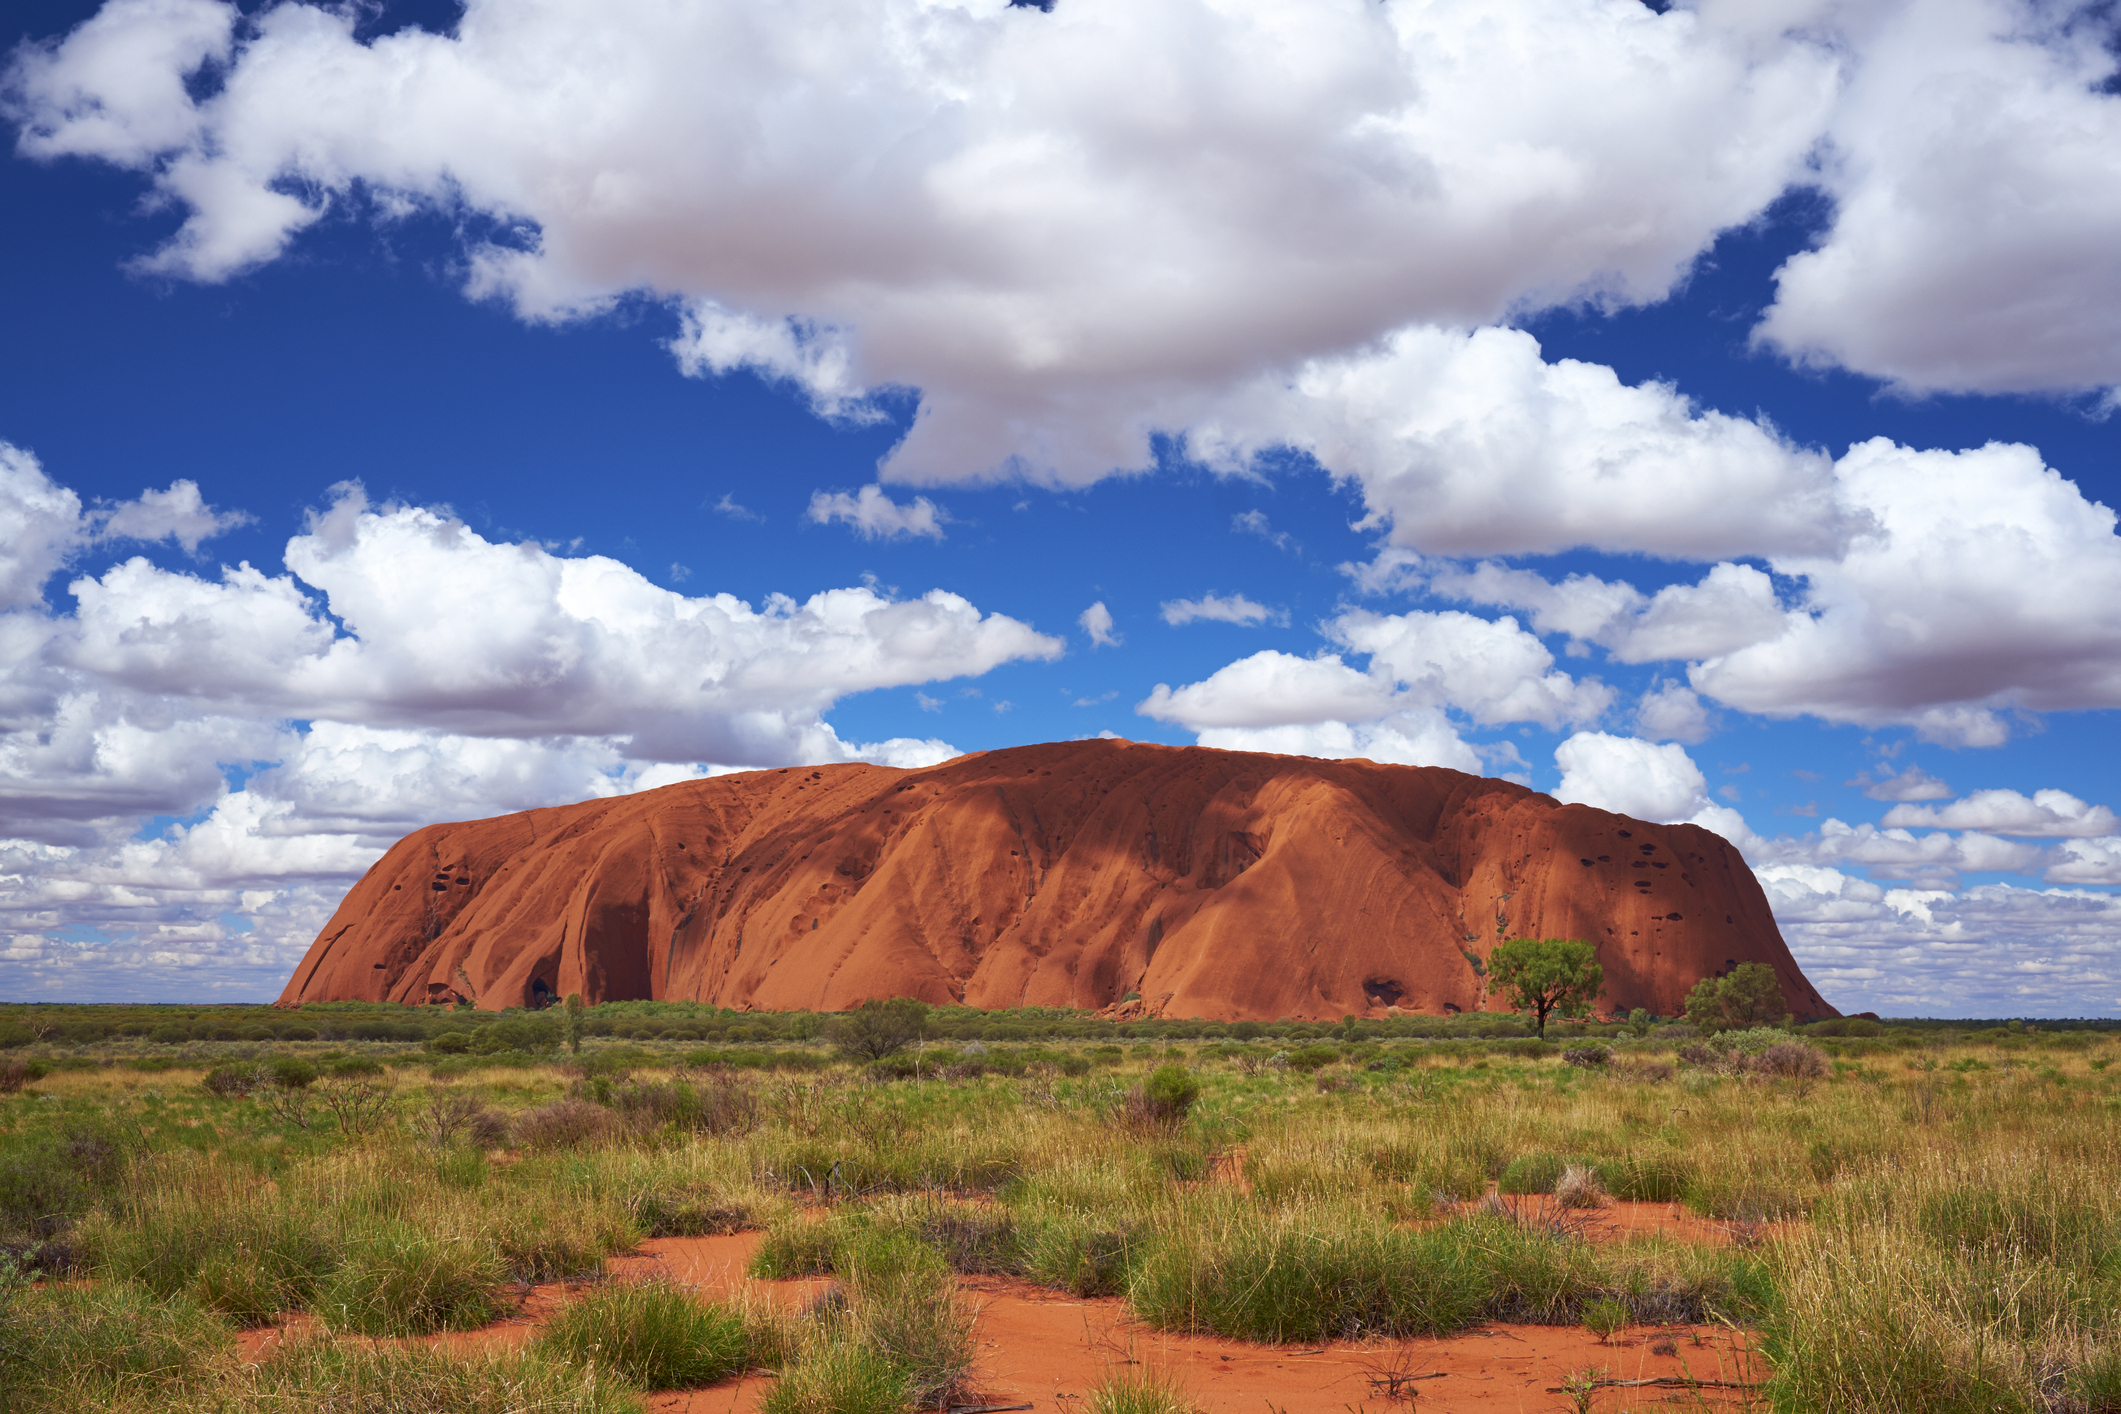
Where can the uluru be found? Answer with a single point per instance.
(1152, 880)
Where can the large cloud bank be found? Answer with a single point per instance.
(405, 670)
(1070, 228)
(1251, 226)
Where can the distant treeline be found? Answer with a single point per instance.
(533, 1031)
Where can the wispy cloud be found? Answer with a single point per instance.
(876, 516)
(1217, 608)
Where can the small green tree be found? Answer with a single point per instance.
(1639, 1022)
(876, 1029)
(571, 1022)
(1547, 975)
(1750, 996)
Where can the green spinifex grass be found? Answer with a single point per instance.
(1949, 1230)
(396, 1279)
(651, 1334)
(84, 1347)
(1137, 1391)
(1238, 1274)
(316, 1373)
(896, 1337)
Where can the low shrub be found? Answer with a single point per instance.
(1164, 1099)
(231, 1081)
(290, 1072)
(651, 1334)
(1310, 1058)
(566, 1124)
(1587, 1057)
(47, 1180)
(1791, 1060)
(454, 1117)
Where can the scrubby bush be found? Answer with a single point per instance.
(1310, 1058)
(1164, 1099)
(290, 1072)
(876, 1029)
(566, 1124)
(452, 1117)
(1791, 1060)
(230, 1081)
(1587, 1057)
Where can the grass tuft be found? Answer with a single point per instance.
(397, 1280)
(1142, 1392)
(651, 1334)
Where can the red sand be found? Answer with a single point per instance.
(1229, 885)
(1050, 1349)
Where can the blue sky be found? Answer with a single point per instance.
(1358, 402)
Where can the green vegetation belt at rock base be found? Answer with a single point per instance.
(1922, 1216)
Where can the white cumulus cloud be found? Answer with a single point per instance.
(875, 516)
(1217, 608)
(1066, 229)
(404, 670)
(2047, 813)
(1096, 621)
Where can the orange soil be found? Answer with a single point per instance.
(1223, 884)
(1049, 1349)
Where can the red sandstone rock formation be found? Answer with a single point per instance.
(1216, 884)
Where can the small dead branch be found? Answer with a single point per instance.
(1657, 1382)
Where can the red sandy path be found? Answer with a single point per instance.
(1049, 1349)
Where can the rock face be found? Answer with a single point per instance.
(1164, 881)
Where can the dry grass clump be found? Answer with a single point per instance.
(1579, 1187)
(1142, 1391)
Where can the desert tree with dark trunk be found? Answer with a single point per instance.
(1547, 975)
